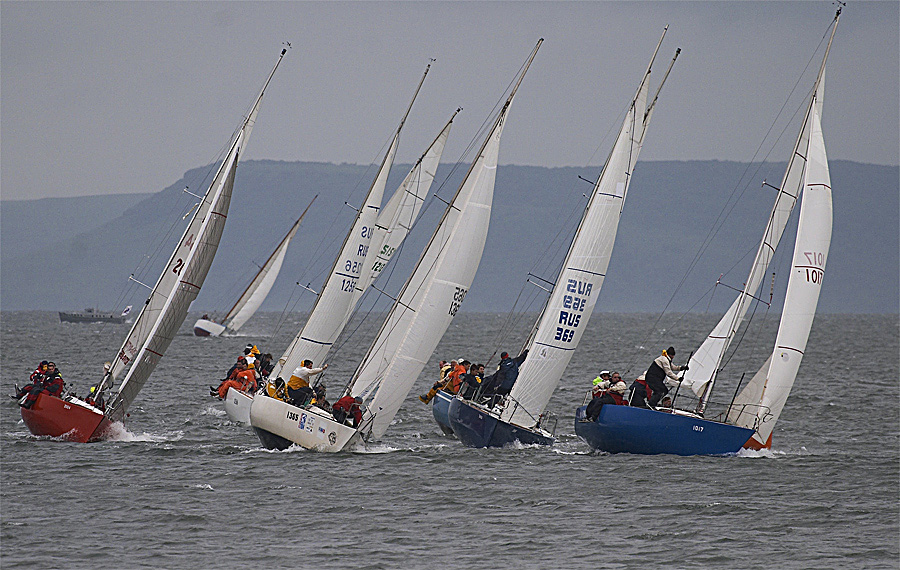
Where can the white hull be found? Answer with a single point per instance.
(204, 327)
(237, 406)
(312, 427)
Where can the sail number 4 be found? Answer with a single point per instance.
(458, 297)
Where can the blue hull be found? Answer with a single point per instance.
(476, 428)
(440, 409)
(626, 429)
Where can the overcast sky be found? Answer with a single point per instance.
(122, 97)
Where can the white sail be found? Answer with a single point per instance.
(804, 285)
(432, 295)
(180, 282)
(396, 219)
(566, 315)
(706, 359)
(262, 283)
(334, 305)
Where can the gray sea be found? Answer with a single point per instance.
(182, 487)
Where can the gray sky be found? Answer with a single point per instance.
(120, 97)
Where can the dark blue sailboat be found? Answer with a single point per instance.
(628, 429)
(519, 415)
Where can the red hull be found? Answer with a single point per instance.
(57, 418)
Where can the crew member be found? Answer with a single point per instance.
(659, 370)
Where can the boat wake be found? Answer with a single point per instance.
(119, 433)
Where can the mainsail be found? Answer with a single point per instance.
(334, 305)
(432, 295)
(262, 283)
(566, 314)
(775, 379)
(180, 282)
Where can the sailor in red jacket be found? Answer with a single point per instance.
(348, 406)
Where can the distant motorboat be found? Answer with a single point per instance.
(91, 315)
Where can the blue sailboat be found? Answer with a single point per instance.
(749, 419)
(520, 415)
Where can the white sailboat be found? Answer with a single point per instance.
(163, 312)
(565, 316)
(750, 418)
(255, 293)
(427, 303)
(368, 247)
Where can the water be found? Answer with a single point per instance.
(185, 488)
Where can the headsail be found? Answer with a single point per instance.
(262, 283)
(566, 315)
(180, 282)
(802, 296)
(334, 305)
(433, 293)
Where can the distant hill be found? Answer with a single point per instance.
(77, 252)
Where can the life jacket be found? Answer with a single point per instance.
(619, 398)
(456, 377)
(645, 385)
(655, 373)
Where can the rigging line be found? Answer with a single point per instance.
(719, 223)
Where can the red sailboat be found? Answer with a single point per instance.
(163, 313)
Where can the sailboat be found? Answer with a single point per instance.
(750, 418)
(163, 312)
(558, 330)
(255, 293)
(418, 319)
(368, 246)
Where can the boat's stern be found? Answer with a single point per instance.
(440, 409)
(51, 416)
(277, 422)
(237, 406)
(205, 327)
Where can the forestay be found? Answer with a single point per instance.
(432, 295)
(336, 300)
(259, 288)
(566, 314)
(802, 296)
(180, 282)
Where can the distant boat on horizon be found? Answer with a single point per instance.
(92, 315)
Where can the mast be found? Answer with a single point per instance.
(784, 205)
(333, 305)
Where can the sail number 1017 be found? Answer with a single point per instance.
(815, 271)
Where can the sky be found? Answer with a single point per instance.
(124, 97)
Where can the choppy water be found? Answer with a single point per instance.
(185, 488)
